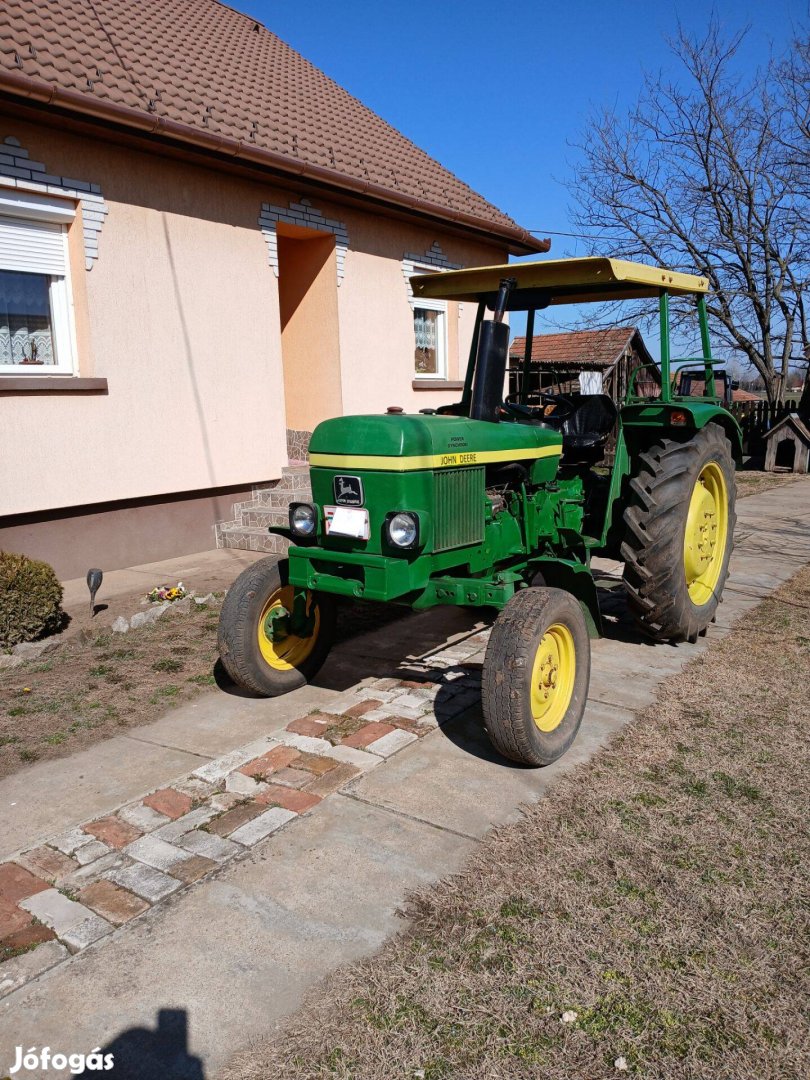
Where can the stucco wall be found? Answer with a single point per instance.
(181, 317)
(376, 318)
(182, 320)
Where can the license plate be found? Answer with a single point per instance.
(346, 521)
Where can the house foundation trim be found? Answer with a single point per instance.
(130, 532)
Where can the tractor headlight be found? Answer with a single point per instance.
(303, 519)
(403, 530)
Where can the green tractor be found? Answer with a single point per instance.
(500, 503)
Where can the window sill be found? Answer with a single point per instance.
(436, 384)
(51, 384)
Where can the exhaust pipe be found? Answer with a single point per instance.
(490, 360)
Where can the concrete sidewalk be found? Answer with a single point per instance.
(237, 951)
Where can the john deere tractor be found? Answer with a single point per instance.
(501, 502)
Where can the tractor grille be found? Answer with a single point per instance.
(458, 509)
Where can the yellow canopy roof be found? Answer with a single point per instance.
(558, 281)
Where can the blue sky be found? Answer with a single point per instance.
(497, 91)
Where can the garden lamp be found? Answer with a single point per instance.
(94, 579)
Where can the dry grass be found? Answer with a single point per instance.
(96, 684)
(659, 893)
(755, 481)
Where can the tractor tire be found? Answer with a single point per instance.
(536, 674)
(680, 531)
(252, 659)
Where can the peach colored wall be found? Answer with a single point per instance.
(182, 318)
(376, 319)
(183, 322)
(309, 326)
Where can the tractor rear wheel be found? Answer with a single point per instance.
(272, 639)
(680, 531)
(536, 673)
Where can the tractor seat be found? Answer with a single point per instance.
(586, 430)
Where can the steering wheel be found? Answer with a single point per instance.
(564, 407)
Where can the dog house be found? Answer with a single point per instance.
(788, 445)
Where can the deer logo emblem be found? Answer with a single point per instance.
(348, 490)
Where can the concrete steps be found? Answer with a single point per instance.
(268, 506)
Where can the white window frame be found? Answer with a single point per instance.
(439, 306)
(30, 207)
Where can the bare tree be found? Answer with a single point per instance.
(794, 79)
(704, 174)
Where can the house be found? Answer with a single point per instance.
(590, 361)
(205, 249)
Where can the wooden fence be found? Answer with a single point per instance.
(756, 418)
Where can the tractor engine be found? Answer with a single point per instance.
(398, 498)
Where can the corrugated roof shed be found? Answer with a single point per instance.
(197, 71)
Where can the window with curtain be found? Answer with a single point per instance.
(36, 332)
(430, 331)
(26, 325)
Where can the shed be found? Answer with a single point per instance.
(559, 360)
(788, 445)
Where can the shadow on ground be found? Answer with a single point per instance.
(377, 641)
(153, 1054)
(354, 620)
(467, 731)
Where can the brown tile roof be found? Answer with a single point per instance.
(201, 72)
(594, 348)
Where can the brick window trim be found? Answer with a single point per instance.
(433, 259)
(19, 173)
(304, 215)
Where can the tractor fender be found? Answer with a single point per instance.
(573, 577)
(647, 423)
(733, 433)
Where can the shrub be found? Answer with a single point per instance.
(30, 599)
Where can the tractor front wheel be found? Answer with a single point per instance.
(272, 637)
(536, 674)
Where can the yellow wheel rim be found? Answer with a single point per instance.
(706, 536)
(289, 652)
(553, 675)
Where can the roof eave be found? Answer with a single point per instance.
(518, 240)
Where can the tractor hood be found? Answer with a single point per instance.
(401, 442)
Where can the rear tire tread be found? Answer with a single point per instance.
(652, 550)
